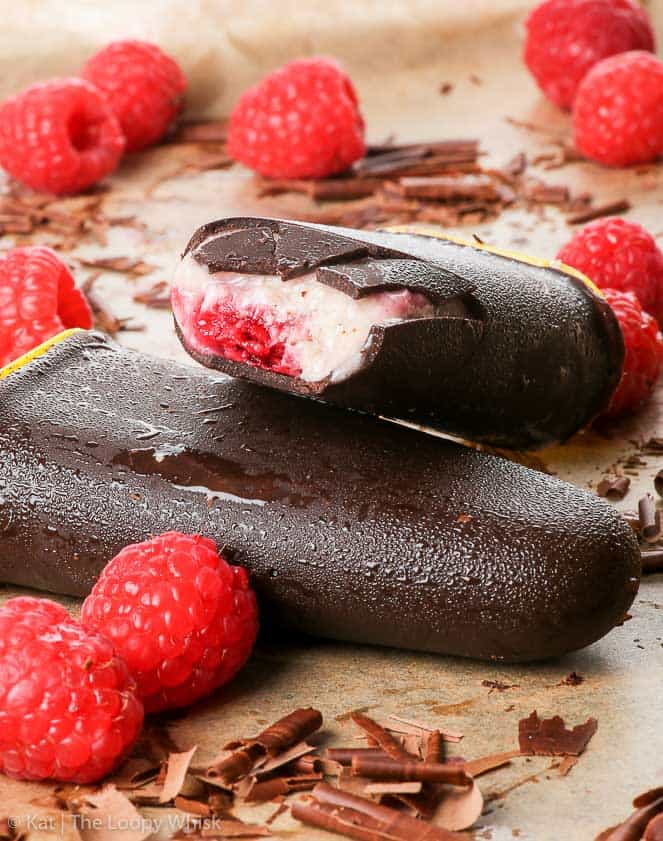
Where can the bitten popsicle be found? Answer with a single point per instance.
(350, 527)
(475, 342)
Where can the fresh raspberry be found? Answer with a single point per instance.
(182, 618)
(144, 87)
(38, 299)
(566, 38)
(618, 110)
(68, 709)
(301, 121)
(59, 136)
(617, 254)
(644, 353)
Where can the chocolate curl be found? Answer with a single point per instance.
(382, 737)
(406, 771)
(305, 765)
(364, 820)
(238, 764)
(650, 518)
(289, 730)
(281, 735)
(435, 750)
(652, 560)
(635, 825)
(344, 755)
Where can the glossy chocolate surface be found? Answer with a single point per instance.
(520, 356)
(351, 527)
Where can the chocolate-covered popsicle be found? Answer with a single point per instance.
(351, 527)
(475, 342)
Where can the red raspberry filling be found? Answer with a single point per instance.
(258, 338)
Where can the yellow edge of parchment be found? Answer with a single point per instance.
(511, 255)
(36, 352)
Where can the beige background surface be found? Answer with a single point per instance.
(399, 54)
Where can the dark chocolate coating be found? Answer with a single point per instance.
(520, 355)
(351, 527)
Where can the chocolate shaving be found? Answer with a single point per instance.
(176, 771)
(117, 811)
(416, 728)
(277, 738)
(517, 165)
(362, 819)
(652, 560)
(566, 765)
(344, 755)
(541, 193)
(613, 487)
(658, 483)
(393, 788)
(289, 757)
(633, 828)
(459, 809)
(290, 730)
(104, 319)
(484, 764)
(572, 679)
(400, 770)
(650, 519)
(498, 686)
(419, 158)
(260, 792)
(479, 188)
(654, 831)
(609, 209)
(306, 765)
(193, 807)
(381, 737)
(435, 750)
(550, 737)
(156, 297)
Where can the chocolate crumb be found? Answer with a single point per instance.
(572, 679)
(498, 686)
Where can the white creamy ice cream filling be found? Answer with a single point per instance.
(324, 330)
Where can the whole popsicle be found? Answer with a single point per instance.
(485, 345)
(351, 527)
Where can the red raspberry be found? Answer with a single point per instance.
(144, 87)
(617, 254)
(644, 353)
(301, 121)
(59, 136)
(183, 619)
(68, 709)
(38, 299)
(566, 38)
(618, 110)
